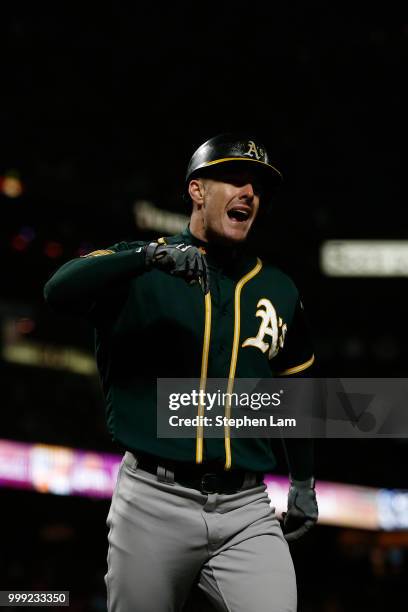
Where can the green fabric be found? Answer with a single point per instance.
(149, 324)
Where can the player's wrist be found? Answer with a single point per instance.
(149, 252)
(308, 483)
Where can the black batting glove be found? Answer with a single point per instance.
(183, 260)
(302, 511)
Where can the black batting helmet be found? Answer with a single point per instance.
(232, 148)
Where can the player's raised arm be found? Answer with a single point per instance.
(81, 282)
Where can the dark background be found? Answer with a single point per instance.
(102, 108)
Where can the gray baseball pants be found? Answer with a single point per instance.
(165, 539)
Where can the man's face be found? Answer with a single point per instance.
(230, 204)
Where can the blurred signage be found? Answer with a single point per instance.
(36, 354)
(364, 258)
(339, 504)
(19, 348)
(148, 217)
(57, 470)
(67, 471)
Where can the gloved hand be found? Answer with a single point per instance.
(184, 260)
(302, 511)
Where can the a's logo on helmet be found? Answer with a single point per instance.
(253, 151)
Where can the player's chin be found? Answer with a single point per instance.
(236, 231)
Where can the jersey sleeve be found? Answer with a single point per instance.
(85, 285)
(297, 354)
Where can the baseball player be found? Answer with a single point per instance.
(193, 513)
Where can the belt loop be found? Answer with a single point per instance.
(164, 475)
(131, 460)
(161, 473)
(170, 476)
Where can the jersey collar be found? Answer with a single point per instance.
(233, 261)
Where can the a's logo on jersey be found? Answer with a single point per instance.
(272, 330)
(253, 151)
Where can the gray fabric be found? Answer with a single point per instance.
(165, 541)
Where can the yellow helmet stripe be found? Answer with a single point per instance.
(248, 159)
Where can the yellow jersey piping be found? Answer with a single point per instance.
(299, 368)
(203, 376)
(234, 357)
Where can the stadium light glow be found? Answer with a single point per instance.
(53, 249)
(11, 185)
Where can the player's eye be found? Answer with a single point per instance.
(257, 187)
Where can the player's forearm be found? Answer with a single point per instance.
(76, 286)
(300, 457)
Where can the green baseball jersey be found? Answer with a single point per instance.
(149, 325)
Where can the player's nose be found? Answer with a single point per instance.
(247, 192)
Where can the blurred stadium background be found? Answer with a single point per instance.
(100, 113)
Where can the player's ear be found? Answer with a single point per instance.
(196, 191)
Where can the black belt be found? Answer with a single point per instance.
(208, 478)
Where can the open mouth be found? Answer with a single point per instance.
(239, 214)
